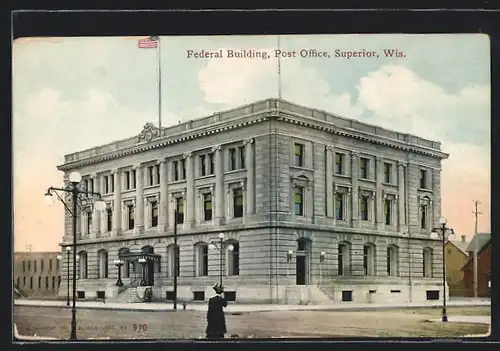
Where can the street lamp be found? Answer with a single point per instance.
(68, 250)
(119, 264)
(220, 246)
(321, 261)
(79, 197)
(442, 231)
(289, 256)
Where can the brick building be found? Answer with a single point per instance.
(456, 257)
(37, 273)
(316, 208)
(483, 267)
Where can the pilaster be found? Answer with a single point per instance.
(401, 198)
(330, 154)
(379, 176)
(96, 215)
(249, 159)
(163, 205)
(355, 189)
(219, 185)
(139, 199)
(117, 202)
(190, 199)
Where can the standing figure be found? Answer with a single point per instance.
(216, 321)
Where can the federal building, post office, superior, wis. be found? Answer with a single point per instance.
(283, 203)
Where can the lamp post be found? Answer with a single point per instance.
(142, 261)
(68, 250)
(443, 230)
(220, 246)
(79, 197)
(289, 256)
(321, 261)
(119, 264)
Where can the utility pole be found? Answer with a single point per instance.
(476, 213)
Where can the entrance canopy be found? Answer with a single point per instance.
(134, 256)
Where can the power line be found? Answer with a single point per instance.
(476, 213)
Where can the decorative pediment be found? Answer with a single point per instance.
(149, 132)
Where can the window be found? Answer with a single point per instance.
(232, 159)
(298, 198)
(106, 185)
(24, 281)
(234, 260)
(57, 264)
(343, 259)
(363, 168)
(211, 165)
(176, 170)
(29, 266)
(339, 206)
(203, 166)
(241, 151)
(103, 264)
(207, 207)
(47, 283)
(58, 281)
(41, 265)
(388, 211)
(202, 260)
(157, 170)
(83, 265)
(111, 183)
(18, 281)
(34, 266)
(387, 172)
(179, 205)
(39, 282)
(183, 169)
(53, 283)
(127, 180)
(50, 265)
(109, 213)
(339, 163)
(423, 216)
(369, 260)
(89, 222)
(174, 260)
(24, 266)
(151, 175)
(131, 216)
(238, 203)
(154, 214)
(423, 179)
(298, 150)
(31, 282)
(133, 178)
(392, 261)
(364, 208)
(427, 263)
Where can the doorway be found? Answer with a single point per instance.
(302, 261)
(150, 273)
(301, 270)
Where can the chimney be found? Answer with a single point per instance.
(463, 238)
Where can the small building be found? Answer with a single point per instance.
(483, 266)
(456, 257)
(37, 274)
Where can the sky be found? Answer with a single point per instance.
(71, 94)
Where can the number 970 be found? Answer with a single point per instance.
(140, 327)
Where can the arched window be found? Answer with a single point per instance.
(201, 259)
(126, 264)
(392, 260)
(233, 257)
(344, 258)
(369, 259)
(83, 265)
(171, 254)
(102, 257)
(427, 263)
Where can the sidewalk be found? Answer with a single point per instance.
(468, 319)
(243, 308)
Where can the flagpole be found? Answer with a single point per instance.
(279, 69)
(159, 84)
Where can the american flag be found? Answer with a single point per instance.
(148, 43)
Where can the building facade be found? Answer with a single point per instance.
(314, 207)
(455, 258)
(37, 273)
(483, 267)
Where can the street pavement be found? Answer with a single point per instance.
(242, 308)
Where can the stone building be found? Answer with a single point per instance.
(37, 273)
(314, 206)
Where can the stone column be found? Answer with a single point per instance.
(103, 215)
(117, 202)
(189, 199)
(83, 223)
(354, 191)
(401, 197)
(249, 159)
(379, 199)
(139, 199)
(219, 185)
(330, 152)
(96, 218)
(163, 205)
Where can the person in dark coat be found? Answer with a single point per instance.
(216, 321)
